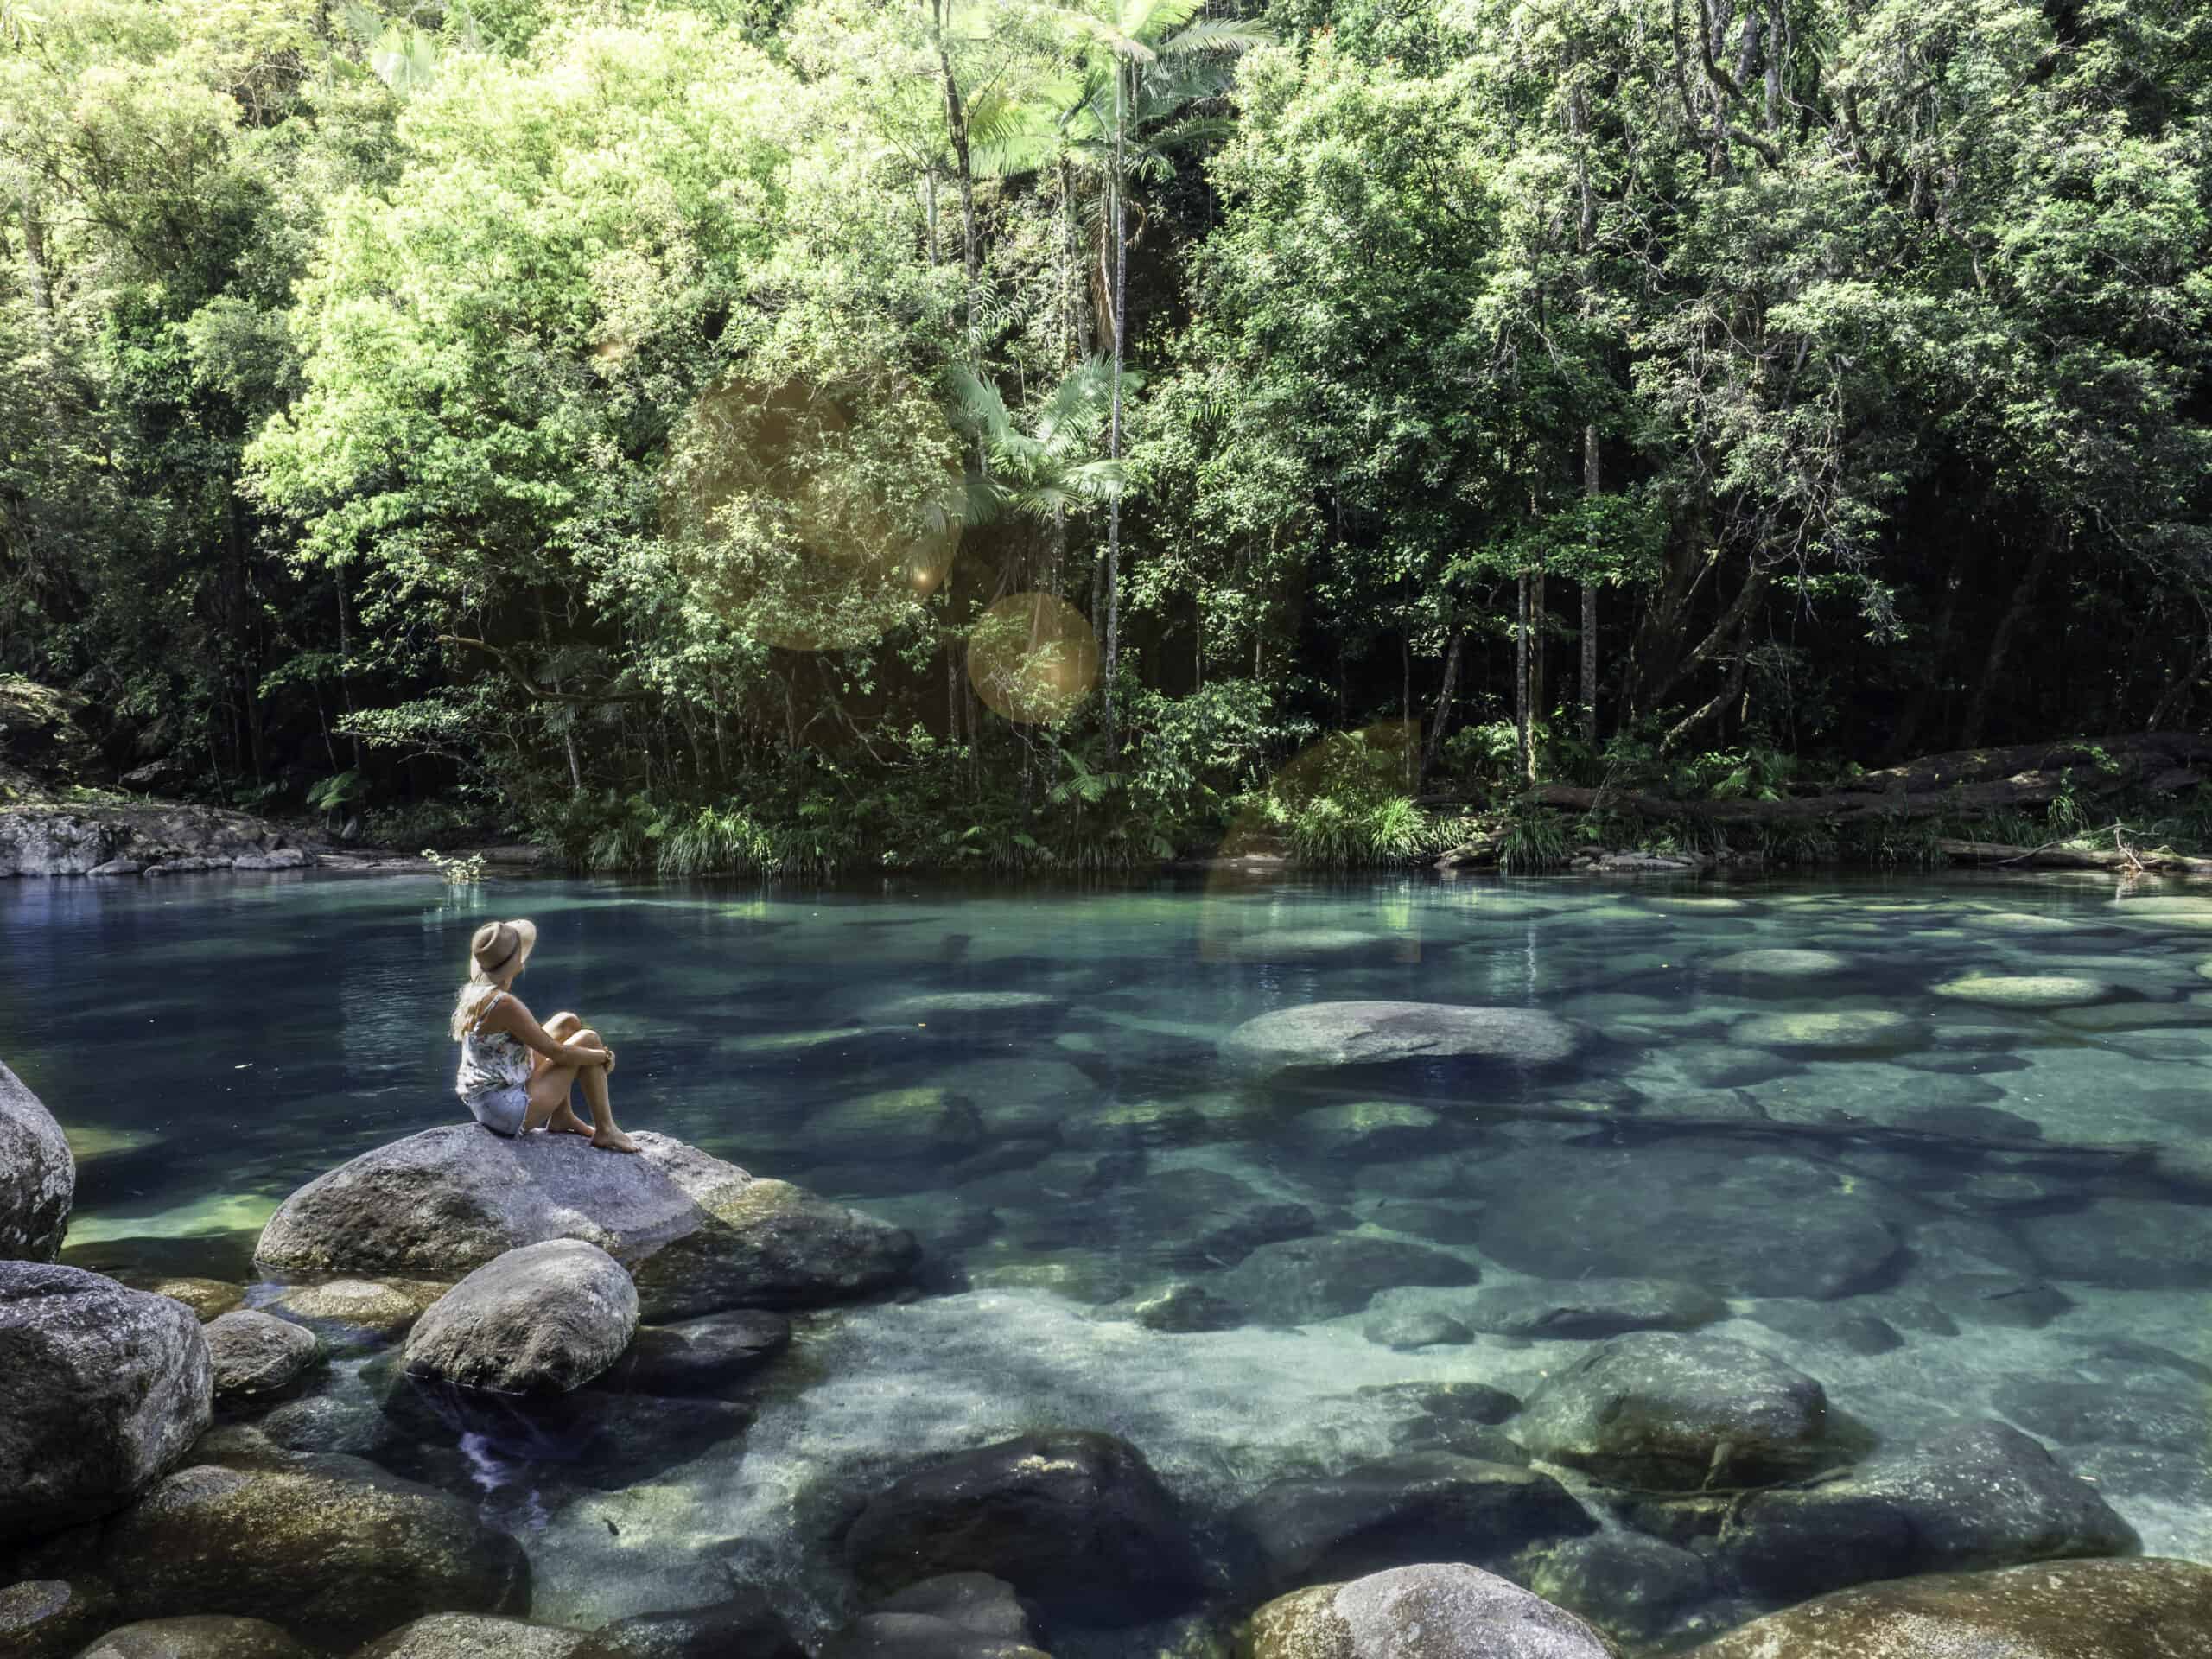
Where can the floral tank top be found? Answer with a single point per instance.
(490, 1059)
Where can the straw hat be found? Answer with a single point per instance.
(500, 946)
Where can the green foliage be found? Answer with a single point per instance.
(464, 871)
(1533, 841)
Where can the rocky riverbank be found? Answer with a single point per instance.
(321, 1468)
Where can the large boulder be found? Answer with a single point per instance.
(1737, 1223)
(331, 1544)
(959, 1616)
(1977, 1496)
(743, 1628)
(1076, 1522)
(200, 1637)
(1374, 1033)
(101, 1391)
(38, 1177)
(2066, 1610)
(53, 1618)
(1435, 1611)
(702, 1356)
(1401, 1511)
(541, 1320)
(35, 841)
(1672, 1412)
(475, 1636)
(257, 1353)
(1298, 1281)
(698, 1234)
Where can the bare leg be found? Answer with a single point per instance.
(564, 1028)
(548, 1089)
(605, 1135)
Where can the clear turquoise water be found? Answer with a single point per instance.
(1032, 1079)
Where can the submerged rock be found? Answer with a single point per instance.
(102, 1392)
(1407, 1329)
(209, 1299)
(1663, 1410)
(1302, 1280)
(1783, 964)
(2072, 1610)
(542, 1319)
(38, 1177)
(473, 1636)
(1593, 1307)
(1076, 1522)
(2028, 990)
(1429, 1611)
(1372, 1034)
(1370, 1129)
(960, 1616)
(699, 1235)
(203, 1637)
(332, 1544)
(1182, 1306)
(53, 1618)
(1838, 1030)
(353, 1312)
(2125, 1243)
(1978, 1495)
(1623, 1582)
(1401, 1511)
(702, 1356)
(744, 1628)
(1750, 1225)
(254, 1353)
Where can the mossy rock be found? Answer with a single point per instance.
(2028, 990)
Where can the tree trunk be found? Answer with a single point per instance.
(2000, 642)
(1113, 414)
(1440, 720)
(1587, 683)
(955, 123)
(1520, 682)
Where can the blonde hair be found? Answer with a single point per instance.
(469, 1008)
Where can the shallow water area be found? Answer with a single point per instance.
(1939, 1143)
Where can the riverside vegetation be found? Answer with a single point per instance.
(745, 434)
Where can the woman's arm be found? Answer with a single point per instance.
(508, 1015)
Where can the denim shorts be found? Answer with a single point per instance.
(499, 1110)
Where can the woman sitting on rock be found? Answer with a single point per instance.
(516, 1074)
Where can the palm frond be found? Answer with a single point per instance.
(982, 411)
(1215, 35)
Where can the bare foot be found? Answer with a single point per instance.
(565, 1122)
(613, 1140)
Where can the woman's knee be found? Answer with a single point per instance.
(563, 1027)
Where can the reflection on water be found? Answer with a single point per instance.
(1941, 1144)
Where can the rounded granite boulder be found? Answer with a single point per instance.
(1433, 1610)
(2066, 1610)
(257, 1353)
(38, 1177)
(334, 1546)
(542, 1319)
(1077, 1521)
(105, 1389)
(203, 1636)
(1661, 1409)
(1376, 1034)
(475, 1636)
(698, 1234)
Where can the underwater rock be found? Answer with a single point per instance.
(1592, 1307)
(959, 1616)
(1830, 1325)
(699, 1235)
(743, 1628)
(542, 1319)
(701, 1356)
(208, 1635)
(2028, 990)
(1659, 1409)
(2125, 1243)
(53, 1618)
(2070, 1610)
(1629, 1584)
(254, 1353)
(1107, 1127)
(1372, 1034)
(926, 1006)
(894, 1125)
(1980, 1495)
(1739, 1224)
(1435, 1611)
(38, 1177)
(1407, 1329)
(1401, 1511)
(1299, 1281)
(1182, 1306)
(1833, 1031)
(357, 1313)
(1781, 963)
(2129, 1405)
(105, 1391)
(473, 1636)
(1076, 1522)
(1368, 1130)
(335, 1545)
(208, 1298)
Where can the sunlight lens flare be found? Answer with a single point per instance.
(1033, 658)
(813, 521)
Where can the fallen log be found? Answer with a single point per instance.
(2172, 751)
(2062, 857)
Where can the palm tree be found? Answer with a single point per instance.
(1049, 470)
